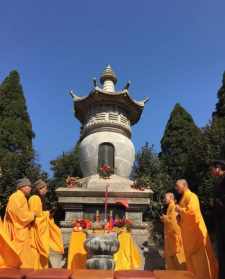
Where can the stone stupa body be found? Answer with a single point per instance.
(106, 117)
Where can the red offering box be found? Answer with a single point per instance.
(134, 274)
(50, 273)
(92, 274)
(14, 273)
(174, 274)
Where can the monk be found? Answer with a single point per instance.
(18, 220)
(8, 254)
(173, 245)
(198, 250)
(45, 234)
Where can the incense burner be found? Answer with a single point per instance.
(101, 249)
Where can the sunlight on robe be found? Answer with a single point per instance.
(128, 256)
(77, 254)
(199, 254)
(18, 219)
(173, 246)
(8, 255)
(46, 235)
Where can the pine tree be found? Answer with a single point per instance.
(17, 157)
(66, 165)
(214, 145)
(149, 171)
(63, 166)
(179, 144)
(216, 132)
(219, 113)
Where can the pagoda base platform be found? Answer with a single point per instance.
(83, 202)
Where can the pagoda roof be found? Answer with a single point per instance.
(97, 95)
(108, 95)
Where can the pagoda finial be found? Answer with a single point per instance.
(108, 79)
(126, 87)
(94, 82)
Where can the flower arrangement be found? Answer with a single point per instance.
(72, 182)
(81, 224)
(140, 184)
(86, 225)
(105, 171)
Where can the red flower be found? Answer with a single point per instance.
(105, 171)
(82, 223)
(128, 222)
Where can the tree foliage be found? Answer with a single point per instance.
(17, 156)
(214, 145)
(219, 113)
(216, 132)
(179, 144)
(63, 166)
(66, 165)
(148, 170)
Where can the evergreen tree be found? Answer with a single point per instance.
(66, 165)
(149, 171)
(214, 145)
(17, 157)
(179, 144)
(216, 132)
(219, 113)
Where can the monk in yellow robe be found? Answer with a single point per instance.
(200, 258)
(173, 245)
(46, 234)
(18, 220)
(8, 254)
(128, 257)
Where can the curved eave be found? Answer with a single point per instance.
(133, 108)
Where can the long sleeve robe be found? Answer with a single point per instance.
(17, 224)
(8, 254)
(45, 234)
(173, 245)
(198, 250)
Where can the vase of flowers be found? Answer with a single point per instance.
(72, 182)
(105, 171)
(82, 224)
(140, 184)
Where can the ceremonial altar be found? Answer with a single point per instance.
(127, 257)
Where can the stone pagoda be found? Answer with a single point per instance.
(106, 116)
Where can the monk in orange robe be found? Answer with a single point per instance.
(8, 254)
(200, 258)
(18, 220)
(128, 256)
(173, 245)
(46, 235)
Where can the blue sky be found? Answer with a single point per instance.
(172, 51)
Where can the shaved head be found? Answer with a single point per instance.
(169, 196)
(181, 186)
